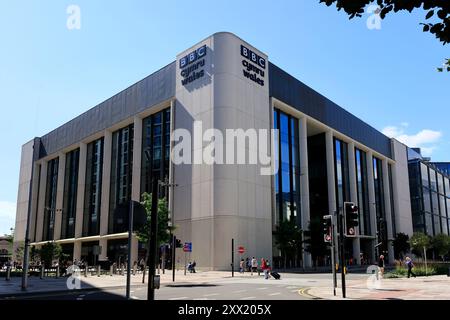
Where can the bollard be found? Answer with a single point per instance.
(42, 272)
(111, 270)
(86, 268)
(57, 271)
(8, 273)
(99, 269)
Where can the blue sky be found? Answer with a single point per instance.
(50, 74)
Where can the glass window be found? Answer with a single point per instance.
(363, 199)
(440, 179)
(437, 224)
(287, 180)
(428, 224)
(444, 225)
(424, 174)
(93, 190)
(70, 195)
(433, 181)
(50, 199)
(435, 203)
(121, 174)
(426, 200)
(447, 186)
(341, 172)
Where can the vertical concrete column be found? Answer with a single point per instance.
(80, 191)
(104, 210)
(137, 158)
(41, 202)
(388, 210)
(77, 250)
(60, 196)
(372, 212)
(304, 184)
(104, 254)
(34, 201)
(354, 197)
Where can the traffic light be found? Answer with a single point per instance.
(351, 219)
(327, 229)
(179, 244)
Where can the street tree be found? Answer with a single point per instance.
(437, 14)
(163, 234)
(441, 244)
(401, 245)
(49, 252)
(288, 239)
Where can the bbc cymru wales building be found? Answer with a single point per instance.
(81, 172)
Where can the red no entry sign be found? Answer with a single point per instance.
(241, 250)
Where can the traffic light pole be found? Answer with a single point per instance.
(153, 241)
(333, 252)
(342, 250)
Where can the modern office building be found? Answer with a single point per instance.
(82, 171)
(430, 195)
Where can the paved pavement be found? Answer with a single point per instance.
(221, 286)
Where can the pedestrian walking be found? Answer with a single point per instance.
(410, 266)
(381, 265)
(241, 266)
(254, 264)
(264, 268)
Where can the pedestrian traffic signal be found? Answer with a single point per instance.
(351, 217)
(327, 229)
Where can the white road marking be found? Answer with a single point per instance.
(247, 298)
(275, 294)
(210, 294)
(296, 290)
(179, 298)
(135, 298)
(239, 291)
(261, 288)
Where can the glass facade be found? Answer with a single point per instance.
(379, 203)
(93, 189)
(50, 199)
(121, 175)
(430, 198)
(155, 149)
(70, 194)
(287, 179)
(362, 189)
(341, 173)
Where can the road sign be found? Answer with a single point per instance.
(241, 250)
(327, 238)
(351, 231)
(187, 247)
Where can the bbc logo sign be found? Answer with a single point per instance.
(253, 57)
(193, 56)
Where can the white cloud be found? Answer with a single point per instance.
(425, 139)
(7, 216)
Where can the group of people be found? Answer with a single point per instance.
(191, 266)
(252, 265)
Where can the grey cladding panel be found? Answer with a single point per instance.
(154, 89)
(286, 88)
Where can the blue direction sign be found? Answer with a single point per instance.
(187, 247)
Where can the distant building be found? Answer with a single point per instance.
(5, 250)
(430, 194)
